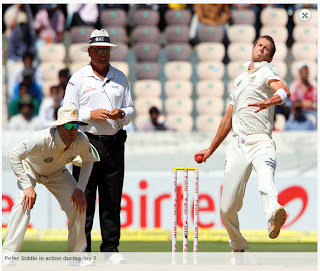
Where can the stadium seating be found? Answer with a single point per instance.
(50, 70)
(177, 105)
(304, 50)
(274, 16)
(74, 66)
(177, 33)
(213, 51)
(178, 70)
(146, 17)
(113, 17)
(178, 17)
(147, 88)
(145, 33)
(121, 53)
(180, 122)
(122, 66)
(178, 88)
(146, 51)
(210, 105)
(239, 51)
(211, 34)
(116, 33)
(210, 88)
(281, 51)
(241, 33)
(210, 70)
(278, 33)
(147, 70)
(52, 52)
(76, 54)
(208, 123)
(247, 17)
(178, 52)
(80, 33)
(305, 33)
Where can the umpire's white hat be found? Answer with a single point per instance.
(100, 38)
(67, 114)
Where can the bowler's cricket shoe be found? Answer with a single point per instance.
(237, 257)
(276, 221)
(115, 258)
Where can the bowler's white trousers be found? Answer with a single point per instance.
(62, 186)
(258, 152)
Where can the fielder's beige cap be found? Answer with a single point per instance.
(99, 38)
(67, 114)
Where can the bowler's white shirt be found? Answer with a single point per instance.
(252, 87)
(46, 155)
(88, 92)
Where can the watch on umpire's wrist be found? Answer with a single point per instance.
(122, 115)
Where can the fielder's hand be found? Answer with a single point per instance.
(78, 199)
(29, 198)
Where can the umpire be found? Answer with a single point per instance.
(102, 94)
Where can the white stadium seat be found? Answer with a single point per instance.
(210, 51)
(210, 70)
(178, 70)
(210, 88)
(241, 33)
(147, 88)
(180, 122)
(178, 88)
(177, 105)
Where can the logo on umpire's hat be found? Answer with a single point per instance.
(99, 38)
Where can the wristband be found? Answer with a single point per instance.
(283, 95)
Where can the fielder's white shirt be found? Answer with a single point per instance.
(88, 92)
(252, 87)
(46, 155)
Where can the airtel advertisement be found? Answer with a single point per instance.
(147, 202)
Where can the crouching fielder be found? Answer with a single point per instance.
(250, 116)
(41, 159)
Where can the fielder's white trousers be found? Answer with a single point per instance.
(62, 186)
(258, 152)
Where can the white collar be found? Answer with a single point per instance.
(257, 65)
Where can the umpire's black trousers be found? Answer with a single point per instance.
(107, 175)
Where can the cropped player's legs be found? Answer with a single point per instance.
(236, 175)
(265, 166)
(62, 187)
(17, 225)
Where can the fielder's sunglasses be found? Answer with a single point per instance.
(101, 50)
(69, 126)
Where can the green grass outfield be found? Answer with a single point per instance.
(61, 246)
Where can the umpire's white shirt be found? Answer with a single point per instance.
(88, 92)
(45, 155)
(251, 87)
